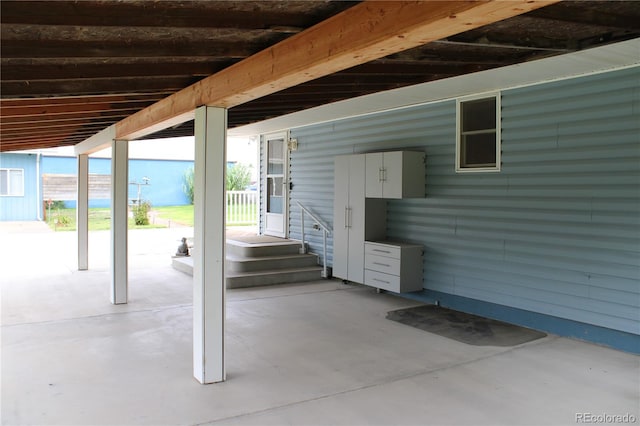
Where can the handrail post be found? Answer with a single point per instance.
(325, 230)
(324, 253)
(303, 250)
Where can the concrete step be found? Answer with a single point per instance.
(257, 278)
(253, 264)
(242, 249)
(271, 277)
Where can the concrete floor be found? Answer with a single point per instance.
(320, 353)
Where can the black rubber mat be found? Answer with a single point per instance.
(465, 328)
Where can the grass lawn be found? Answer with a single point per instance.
(178, 214)
(99, 220)
(236, 215)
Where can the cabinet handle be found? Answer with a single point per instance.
(380, 174)
(381, 264)
(384, 174)
(350, 217)
(381, 281)
(346, 217)
(381, 251)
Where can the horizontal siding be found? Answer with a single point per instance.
(25, 207)
(166, 179)
(556, 232)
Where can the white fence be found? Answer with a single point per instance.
(242, 208)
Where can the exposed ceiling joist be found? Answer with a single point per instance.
(365, 32)
(54, 62)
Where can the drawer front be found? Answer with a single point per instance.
(388, 265)
(382, 250)
(382, 280)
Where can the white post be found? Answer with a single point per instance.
(119, 213)
(82, 212)
(209, 240)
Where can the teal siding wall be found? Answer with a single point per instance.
(556, 232)
(21, 207)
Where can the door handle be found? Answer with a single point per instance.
(346, 217)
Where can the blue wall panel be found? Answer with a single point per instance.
(165, 185)
(21, 207)
(556, 232)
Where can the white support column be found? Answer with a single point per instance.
(119, 212)
(209, 241)
(82, 212)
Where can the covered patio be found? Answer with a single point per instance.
(314, 353)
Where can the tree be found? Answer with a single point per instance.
(187, 185)
(238, 177)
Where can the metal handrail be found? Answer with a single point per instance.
(325, 231)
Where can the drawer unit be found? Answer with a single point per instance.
(393, 266)
(382, 280)
(382, 249)
(388, 265)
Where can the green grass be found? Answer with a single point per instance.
(99, 220)
(184, 214)
(178, 214)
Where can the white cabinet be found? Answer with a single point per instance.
(358, 217)
(393, 266)
(394, 174)
(348, 218)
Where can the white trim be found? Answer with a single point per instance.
(119, 218)
(459, 169)
(284, 135)
(101, 140)
(9, 170)
(82, 211)
(561, 67)
(209, 292)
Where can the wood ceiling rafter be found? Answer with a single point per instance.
(278, 15)
(365, 32)
(41, 84)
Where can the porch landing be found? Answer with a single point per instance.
(257, 260)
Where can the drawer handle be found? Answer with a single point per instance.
(381, 281)
(381, 264)
(381, 251)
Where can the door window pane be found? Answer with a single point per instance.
(275, 165)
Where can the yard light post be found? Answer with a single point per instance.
(145, 181)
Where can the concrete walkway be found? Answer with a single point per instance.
(320, 353)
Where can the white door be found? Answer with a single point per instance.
(348, 218)
(341, 217)
(275, 185)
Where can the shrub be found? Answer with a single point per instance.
(238, 177)
(140, 213)
(187, 185)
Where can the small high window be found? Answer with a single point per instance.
(478, 134)
(12, 182)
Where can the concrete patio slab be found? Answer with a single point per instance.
(316, 353)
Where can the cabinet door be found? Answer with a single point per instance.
(340, 219)
(392, 163)
(356, 217)
(373, 175)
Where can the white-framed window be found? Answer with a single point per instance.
(478, 133)
(12, 182)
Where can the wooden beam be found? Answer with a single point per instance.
(367, 31)
(189, 14)
(92, 86)
(80, 100)
(49, 72)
